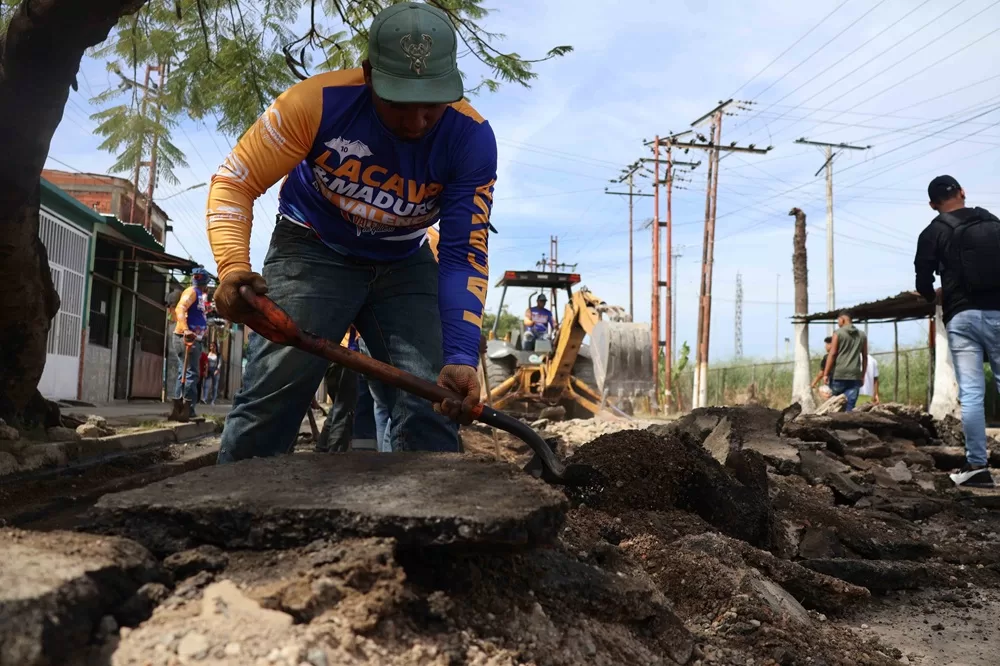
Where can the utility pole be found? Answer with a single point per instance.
(668, 180)
(628, 174)
(713, 145)
(828, 148)
(144, 174)
(739, 315)
(673, 297)
(552, 264)
(777, 318)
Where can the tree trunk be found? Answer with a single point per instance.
(39, 59)
(801, 391)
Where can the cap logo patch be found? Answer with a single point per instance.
(417, 53)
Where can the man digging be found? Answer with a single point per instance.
(371, 158)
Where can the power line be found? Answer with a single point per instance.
(919, 72)
(782, 54)
(827, 43)
(929, 136)
(867, 61)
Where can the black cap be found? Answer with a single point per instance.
(541, 297)
(942, 188)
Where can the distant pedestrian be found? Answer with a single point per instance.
(962, 245)
(202, 374)
(869, 386)
(846, 362)
(822, 364)
(212, 372)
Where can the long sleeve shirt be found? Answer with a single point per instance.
(366, 193)
(933, 256)
(190, 312)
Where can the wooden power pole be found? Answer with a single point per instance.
(712, 144)
(670, 165)
(628, 175)
(828, 148)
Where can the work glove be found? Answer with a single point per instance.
(228, 301)
(463, 380)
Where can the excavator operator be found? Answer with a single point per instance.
(371, 157)
(538, 322)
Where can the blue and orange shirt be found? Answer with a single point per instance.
(190, 312)
(540, 318)
(367, 193)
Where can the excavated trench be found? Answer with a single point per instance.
(731, 536)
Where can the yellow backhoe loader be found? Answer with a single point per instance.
(616, 366)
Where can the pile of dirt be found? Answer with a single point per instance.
(643, 471)
(732, 536)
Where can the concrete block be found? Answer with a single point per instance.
(39, 456)
(185, 431)
(8, 463)
(55, 587)
(289, 501)
(138, 440)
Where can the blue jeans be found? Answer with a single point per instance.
(394, 306)
(973, 335)
(849, 388)
(210, 390)
(191, 382)
(375, 404)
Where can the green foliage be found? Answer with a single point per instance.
(508, 322)
(735, 381)
(228, 59)
(130, 134)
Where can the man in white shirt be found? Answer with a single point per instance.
(870, 385)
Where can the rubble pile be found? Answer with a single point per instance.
(575, 432)
(731, 536)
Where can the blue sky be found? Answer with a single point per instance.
(912, 78)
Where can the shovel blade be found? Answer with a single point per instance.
(181, 411)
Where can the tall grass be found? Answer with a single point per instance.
(770, 383)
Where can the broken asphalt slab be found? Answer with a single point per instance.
(886, 576)
(420, 499)
(56, 587)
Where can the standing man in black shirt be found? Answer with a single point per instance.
(962, 245)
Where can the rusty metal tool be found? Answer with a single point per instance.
(181, 411)
(273, 323)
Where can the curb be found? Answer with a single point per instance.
(58, 454)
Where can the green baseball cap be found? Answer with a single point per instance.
(413, 51)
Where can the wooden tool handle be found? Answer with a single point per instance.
(273, 323)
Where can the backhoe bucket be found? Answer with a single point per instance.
(622, 356)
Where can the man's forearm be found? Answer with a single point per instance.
(925, 286)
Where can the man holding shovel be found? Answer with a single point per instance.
(188, 333)
(370, 158)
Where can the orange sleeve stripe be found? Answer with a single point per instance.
(466, 109)
(433, 236)
(267, 152)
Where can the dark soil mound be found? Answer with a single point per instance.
(645, 472)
